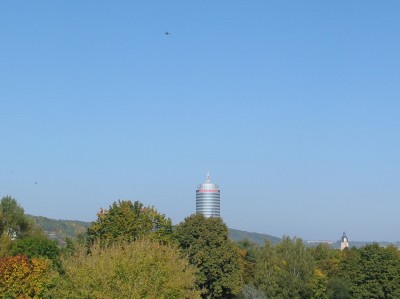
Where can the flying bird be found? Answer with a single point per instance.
(167, 33)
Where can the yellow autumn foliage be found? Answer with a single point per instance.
(25, 278)
(140, 269)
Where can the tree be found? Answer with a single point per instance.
(37, 246)
(248, 252)
(13, 221)
(127, 221)
(319, 285)
(325, 283)
(338, 288)
(250, 292)
(372, 271)
(5, 245)
(266, 273)
(140, 269)
(286, 270)
(297, 267)
(350, 275)
(206, 243)
(25, 278)
(326, 259)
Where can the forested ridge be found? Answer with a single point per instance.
(58, 230)
(133, 251)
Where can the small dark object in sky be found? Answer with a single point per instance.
(167, 33)
(35, 183)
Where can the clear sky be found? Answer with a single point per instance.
(293, 106)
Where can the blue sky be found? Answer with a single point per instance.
(293, 106)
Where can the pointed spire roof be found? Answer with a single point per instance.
(344, 237)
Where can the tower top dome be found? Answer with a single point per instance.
(207, 185)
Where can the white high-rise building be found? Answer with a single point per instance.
(208, 199)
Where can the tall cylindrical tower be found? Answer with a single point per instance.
(208, 199)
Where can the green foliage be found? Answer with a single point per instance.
(319, 285)
(37, 246)
(248, 253)
(140, 269)
(327, 259)
(325, 284)
(5, 245)
(297, 267)
(285, 270)
(127, 221)
(13, 221)
(372, 271)
(206, 242)
(266, 270)
(251, 292)
(14, 224)
(338, 288)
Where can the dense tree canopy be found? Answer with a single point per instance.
(326, 258)
(285, 270)
(248, 252)
(37, 246)
(372, 271)
(25, 278)
(13, 221)
(127, 221)
(14, 224)
(139, 269)
(206, 242)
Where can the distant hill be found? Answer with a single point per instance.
(60, 229)
(237, 235)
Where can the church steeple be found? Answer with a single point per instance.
(344, 243)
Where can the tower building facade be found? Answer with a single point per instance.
(344, 242)
(208, 199)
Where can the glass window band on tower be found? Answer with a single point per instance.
(208, 199)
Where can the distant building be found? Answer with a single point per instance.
(344, 243)
(208, 199)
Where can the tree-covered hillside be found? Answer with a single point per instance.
(259, 239)
(60, 229)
